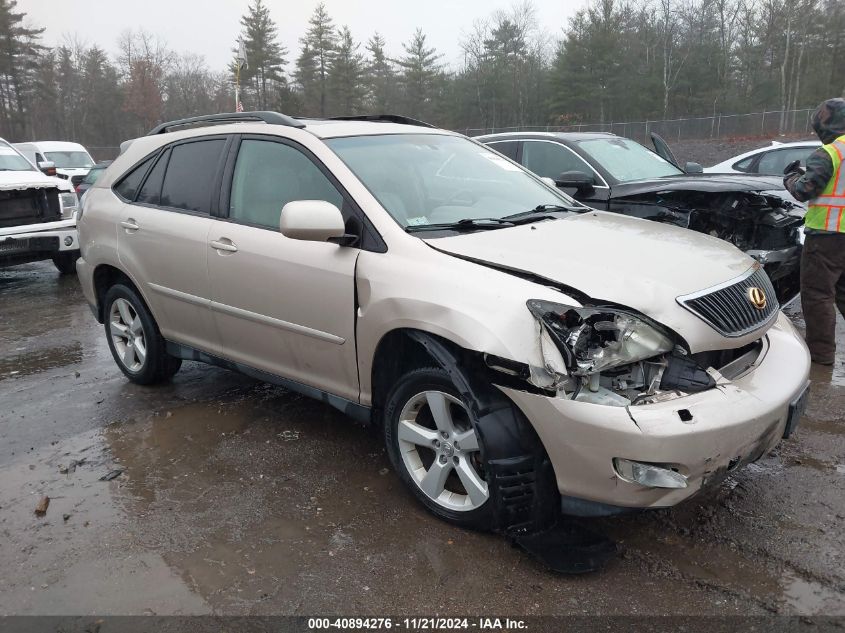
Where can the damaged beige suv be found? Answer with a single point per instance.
(524, 354)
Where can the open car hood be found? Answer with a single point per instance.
(703, 182)
(615, 258)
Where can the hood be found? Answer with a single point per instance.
(700, 182)
(619, 259)
(29, 179)
(829, 120)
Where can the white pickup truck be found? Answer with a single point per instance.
(37, 214)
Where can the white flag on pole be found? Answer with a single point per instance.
(242, 61)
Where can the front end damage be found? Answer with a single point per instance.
(767, 225)
(631, 419)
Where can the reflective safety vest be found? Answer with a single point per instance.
(827, 211)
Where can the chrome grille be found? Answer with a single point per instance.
(728, 309)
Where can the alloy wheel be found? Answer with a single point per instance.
(128, 336)
(440, 450)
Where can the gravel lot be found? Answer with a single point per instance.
(234, 497)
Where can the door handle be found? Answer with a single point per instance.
(224, 244)
(130, 224)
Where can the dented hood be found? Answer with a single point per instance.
(29, 180)
(615, 258)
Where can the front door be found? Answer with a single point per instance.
(283, 306)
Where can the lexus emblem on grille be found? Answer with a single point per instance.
(757, 298)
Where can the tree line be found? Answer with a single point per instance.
(614, 61)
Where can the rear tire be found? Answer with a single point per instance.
(433, 446)
(134, 338)
(65, 262)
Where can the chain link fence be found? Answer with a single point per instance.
(767, 124)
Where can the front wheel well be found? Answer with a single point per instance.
(397, 353)
(105, 277)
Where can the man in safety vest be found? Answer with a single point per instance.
(822, 186)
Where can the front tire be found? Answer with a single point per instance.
(433, 445)
(65, 262)
(134, 338)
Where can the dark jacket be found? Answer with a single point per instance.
(829, 124)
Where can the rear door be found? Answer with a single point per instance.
(163, 236)
(283, 306)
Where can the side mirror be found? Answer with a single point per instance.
(576, 180)
(48, 167)
(693, 168)
(311, 220)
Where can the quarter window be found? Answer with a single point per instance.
(128, 186)
(151, 191)
(550, 160)
(508, 148)
(268, 175)
(189, 181)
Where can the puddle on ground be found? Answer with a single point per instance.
(28, 363)
(831, 426)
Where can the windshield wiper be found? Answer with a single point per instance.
(466, 224)
(540, 212)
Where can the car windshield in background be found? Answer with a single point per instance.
(93, 175)
(70, 160)
(10, 160)
(423, 179)
(627, 160)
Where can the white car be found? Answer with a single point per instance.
(37, 214)
(770, 160)
(70, 159)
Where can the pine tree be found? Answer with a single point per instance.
(19, 55)
(312, 66)
(265, 55)
(346, 75)
(380, 76)
(421, 77)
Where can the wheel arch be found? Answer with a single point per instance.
(104, 277)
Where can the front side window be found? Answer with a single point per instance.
(552, 159)
(423, 179)
(189, 181)
(268, 175)
(626, 160)
(70, 159)
(11, 160)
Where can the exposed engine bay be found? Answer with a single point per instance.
(766, 225)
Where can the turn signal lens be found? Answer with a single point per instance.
(649, 475)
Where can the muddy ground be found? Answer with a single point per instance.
(235, 497)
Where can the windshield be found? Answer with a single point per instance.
(10, 160)
(423, 179)
(627, 160)
(70, 160)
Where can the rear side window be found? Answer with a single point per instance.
(189, 180)
(129, 184)
(508, 148)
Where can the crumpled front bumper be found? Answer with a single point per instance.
(731, 424)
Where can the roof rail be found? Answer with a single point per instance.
(272, 118)
(383, 118)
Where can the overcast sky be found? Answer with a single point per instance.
(209, 27)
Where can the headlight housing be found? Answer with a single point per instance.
(68, 203)
(592, 339)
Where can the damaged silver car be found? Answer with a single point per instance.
(522, 354)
